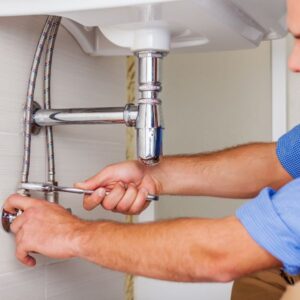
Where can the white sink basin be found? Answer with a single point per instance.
(113, 27)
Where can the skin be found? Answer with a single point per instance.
(179, 250)
(294, 28)
(239, 172)
(188, 250)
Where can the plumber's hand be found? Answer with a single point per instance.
(44, 228)
(128, 182)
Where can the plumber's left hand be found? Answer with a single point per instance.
(44, 228)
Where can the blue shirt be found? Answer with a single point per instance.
(273, 217)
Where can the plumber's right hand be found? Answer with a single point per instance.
(128, 184)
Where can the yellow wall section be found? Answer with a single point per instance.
(130, 153)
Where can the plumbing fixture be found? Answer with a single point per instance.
(28, 110)
(50, 196)
(118, 27)
(48, 35)
(108, 115)
(146, 117)
(7, 219)
(150, 29)
(149, 122)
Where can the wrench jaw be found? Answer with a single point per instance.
(37, 186)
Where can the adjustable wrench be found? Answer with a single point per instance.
(46, 187)
(8, 218)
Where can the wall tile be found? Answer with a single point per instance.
(78, 81)
(79, 280)
(21, 285)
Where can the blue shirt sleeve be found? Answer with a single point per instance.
(273, 221)
(288, 151)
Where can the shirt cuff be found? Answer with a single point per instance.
(288, 151)
(260, 219)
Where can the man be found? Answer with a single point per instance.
(263, 234)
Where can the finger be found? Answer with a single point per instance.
(139, 202)
(23, 256)
(90, 202)
(16, 201)
(100, 179)
(114, 197)
(146, 205)
(18, 223)
(126, 202)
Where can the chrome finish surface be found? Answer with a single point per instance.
(45, 187)
(52, 196)
(7, 219)
(28, 109)
(71, 116)
(35, 129)
(48, 36)
(149, 123)
(150, 66)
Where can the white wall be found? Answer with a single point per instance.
(78, 81)
(211, 101)
(293, 92)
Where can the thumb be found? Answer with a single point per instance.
(92, 183)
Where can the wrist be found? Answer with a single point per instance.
(156, 175)
(87, 238)
(80, 237)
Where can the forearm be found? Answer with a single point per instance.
(179, 250)
(239, 172)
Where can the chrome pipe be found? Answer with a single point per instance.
(149, 123)
(72, 116)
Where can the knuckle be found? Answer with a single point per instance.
(132, 190)
(86, 200)
(119, 188)
(122, 207)
(137, 212)
(19, 253)
(132, 211)
(90, 203)
(108, 205)
(86, 206)
(13, 228)
(95, 200)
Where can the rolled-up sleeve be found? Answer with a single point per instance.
(273, 220)
(288, 151)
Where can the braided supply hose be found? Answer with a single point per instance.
(28, 109)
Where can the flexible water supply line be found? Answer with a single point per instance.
(28, 109)
(7, 218)
(52, 196)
